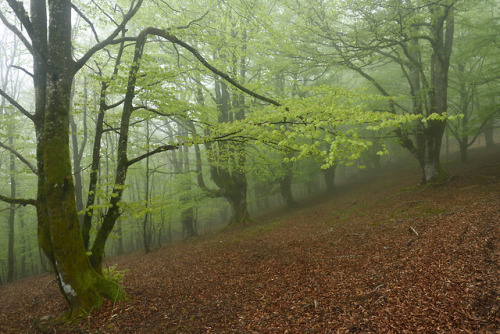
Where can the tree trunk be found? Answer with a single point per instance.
(24, 247)
(145, 231)
(286, 186)
(187, 220)
(329, 176)
(463, 143)
(432, 170)
(442, 31)
(488, 133)
(78, 153)
(97, 252)
(59, 229)
(96, 153)
(12, 214)
(239, 210)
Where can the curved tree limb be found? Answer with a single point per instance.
(17, 105)
(86, 19)
(20, 157)
(22, 69)
(17, 32)
(21, 201)
(162, 148)
(110, 39)
(201, 59)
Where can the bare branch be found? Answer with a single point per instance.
(17, 105)
(192, 22)
(79, 12)
(23, 69)
(163, 148)
(20, 157)
(110, 39)
(17, 32)
(114, 105)
(194, 52)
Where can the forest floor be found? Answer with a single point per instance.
(381, 255)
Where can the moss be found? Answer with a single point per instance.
(110, 289)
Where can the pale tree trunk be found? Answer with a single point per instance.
(24, 247)
(78, 153)
(145, 229)
(181, 164)
(12, 214)
(187, 214)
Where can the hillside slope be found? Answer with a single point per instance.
(374, 258)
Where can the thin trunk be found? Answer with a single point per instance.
(146, 236)
(78, 153)
(488, 133)
(12, 215)
(119, 232)
(24, 246)
(96, 154)
(187, 214)
(97, 252)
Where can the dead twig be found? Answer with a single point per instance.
(41, 290)
(413, 231)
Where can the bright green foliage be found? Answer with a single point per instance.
(328, 124)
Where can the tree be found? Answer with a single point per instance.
(48, 39)
(473, 78)
(49, 42)
(417, 36)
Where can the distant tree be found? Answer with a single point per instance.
(473, 80)
(416, 35)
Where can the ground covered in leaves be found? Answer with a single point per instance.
(379, 256)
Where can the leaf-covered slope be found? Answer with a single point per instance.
(374, 258)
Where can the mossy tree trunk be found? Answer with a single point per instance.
(61, 238)
(58, 226)
(442, 29)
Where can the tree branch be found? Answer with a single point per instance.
(22, 69)
(21, 201)
(17, 105)
(17, 32)
(194, 52)
(110, 39)
(20, 157)
(163, 148)
(79, 12)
